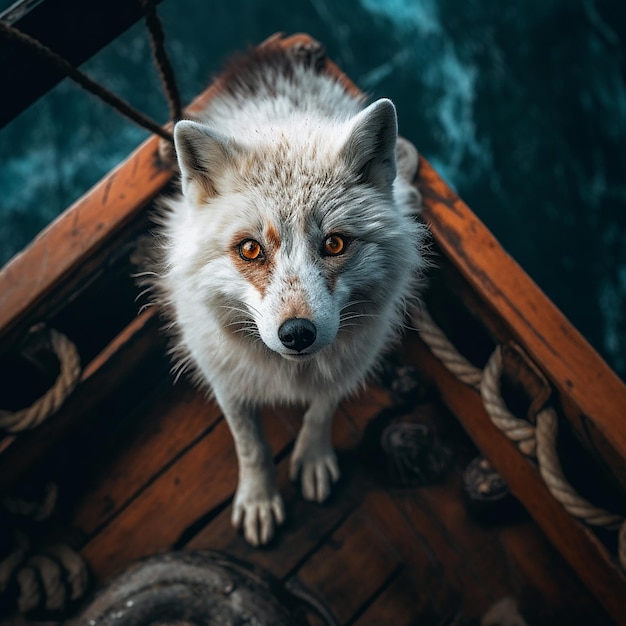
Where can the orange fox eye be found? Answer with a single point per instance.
(334, 245)
(250, 250)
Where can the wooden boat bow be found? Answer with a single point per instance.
(80, 261)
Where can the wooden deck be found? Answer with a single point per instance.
(156, 470)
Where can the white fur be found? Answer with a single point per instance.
(304, 157)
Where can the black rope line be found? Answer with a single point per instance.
(62, 65)
(161, 60)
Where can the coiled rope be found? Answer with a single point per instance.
(536, 442)
(69, 374)
(47, 577)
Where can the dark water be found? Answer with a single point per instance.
(520, 105)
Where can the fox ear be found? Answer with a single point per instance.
(370, 150)
(202, 155)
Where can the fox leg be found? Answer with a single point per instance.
(313, 457)
(257, 506)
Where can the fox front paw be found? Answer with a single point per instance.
(258, 514)
(318, 469)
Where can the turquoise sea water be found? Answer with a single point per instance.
(520, 105)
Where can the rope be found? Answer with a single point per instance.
(560, 488)
(29, 597)
(535, 442)
(161, 60)
(64, 67)
(76, 574)
(517, 430)
(69, 375)
(443, 349)
(50, 578)
(46, 577)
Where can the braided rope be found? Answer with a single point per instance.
(535, 442)
(560, 488)
(76, 574)
(516, 429)
(29, 596)
(46, 405)
(52, 576)
(443, 349)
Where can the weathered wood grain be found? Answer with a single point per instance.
(351, 566)
(579, 547)
(173, 421)
(406, 602)
(200, 481)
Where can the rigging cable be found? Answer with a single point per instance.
(161, 60)
(64, 67)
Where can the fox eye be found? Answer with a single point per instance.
(250, 250)
(334, 245)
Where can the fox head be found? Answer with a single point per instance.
(291, 234)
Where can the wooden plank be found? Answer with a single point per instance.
(430, 552)
(456, 569)
(579, 547)
(307, 524)
(199, 482)
(173, 421)
(482, 558)
(546, 591)
(593, 394)
(406, 602)
(72, 28)
(351, 566)
(470, 558)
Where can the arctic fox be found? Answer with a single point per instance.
(288, 258)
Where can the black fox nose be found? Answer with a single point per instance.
(297, 333)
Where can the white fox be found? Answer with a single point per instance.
(288, 259)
